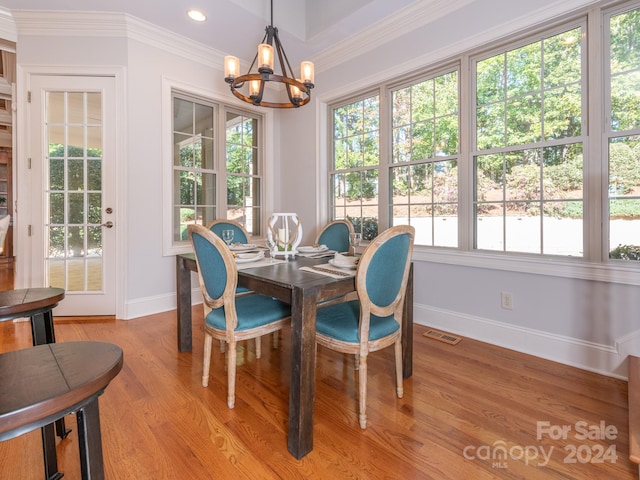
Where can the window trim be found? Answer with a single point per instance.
(169, 86)
(591, 267)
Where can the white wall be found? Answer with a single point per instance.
(589, 323)
(592, 324)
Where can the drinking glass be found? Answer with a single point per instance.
(227, 236)
(354, 241)
(271, 246)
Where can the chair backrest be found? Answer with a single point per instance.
(383, 270)
(335, 235)
(239, 233)
(217, 270)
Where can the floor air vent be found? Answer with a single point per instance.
(442, 336)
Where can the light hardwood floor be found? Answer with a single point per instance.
(462, 404)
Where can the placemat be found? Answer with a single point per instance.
(329, 270)
(259, 263)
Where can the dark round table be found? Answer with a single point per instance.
(41, 384)
(38, 305)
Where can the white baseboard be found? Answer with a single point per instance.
(598, 358)
(603, 359)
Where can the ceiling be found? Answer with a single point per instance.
(307, 27)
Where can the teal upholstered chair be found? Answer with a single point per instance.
(228, 317)
(335, 235)
(374, 320)
(239, 233)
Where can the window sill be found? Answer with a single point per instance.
(612, 272)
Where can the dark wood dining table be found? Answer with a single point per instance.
(302, 290)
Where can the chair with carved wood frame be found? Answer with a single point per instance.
(374, 320)
(228, 317)
(335, 235)
(240, 235)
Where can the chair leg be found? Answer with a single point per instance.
(223, 346)
(206, 361)
(258, 347)
(231, 374)
(356, 361)
(399, 386)
(362, 376)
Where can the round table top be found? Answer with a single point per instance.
(19, 303)
(40, 384)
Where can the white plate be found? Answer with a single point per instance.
(241, 247)
(249, 257)
(311, 249)
(341, 265)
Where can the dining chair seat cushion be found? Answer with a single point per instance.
(252, 310)
(340, 321)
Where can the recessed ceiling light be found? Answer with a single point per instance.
(196, 15)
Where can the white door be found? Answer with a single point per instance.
(73, 179)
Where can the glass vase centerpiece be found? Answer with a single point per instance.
(285, 230)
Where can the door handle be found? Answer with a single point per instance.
(109, 224)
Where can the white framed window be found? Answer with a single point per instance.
(541, 152)
(195, 173)
(216, 165)
(424, 156)
(528, 148)
(622, 131)
(353, 178)
(244, 179)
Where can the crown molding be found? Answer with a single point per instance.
(168, 41)
(422, 13)
(54, 23)
(394, 26)
(116, 25)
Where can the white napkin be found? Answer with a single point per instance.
(340, 260)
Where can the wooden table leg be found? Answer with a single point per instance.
(303, 368)
(407, 328)
(90, 441)
(183, 303)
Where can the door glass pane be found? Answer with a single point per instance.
(74, 138)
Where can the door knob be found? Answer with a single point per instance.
(109, 224)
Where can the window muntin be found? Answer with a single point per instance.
(243, 180)
(211, 178)
(624, 150)
(528, 166)
(194, 173)
(577, 204)
(425, 147)
(356, 158)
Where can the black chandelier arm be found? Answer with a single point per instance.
(282, 54)
(298, 92)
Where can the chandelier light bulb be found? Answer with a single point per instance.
(265, 57)
(231, 67)
(307, 72)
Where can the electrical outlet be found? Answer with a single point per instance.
(507, 300)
